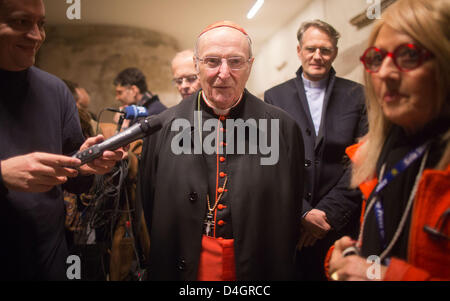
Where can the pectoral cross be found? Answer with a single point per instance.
(209, 223)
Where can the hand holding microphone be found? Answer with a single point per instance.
(103, 164)
(141, 129)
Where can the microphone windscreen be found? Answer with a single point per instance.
(133, 112)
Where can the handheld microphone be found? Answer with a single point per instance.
(141, 129)
(131, 112)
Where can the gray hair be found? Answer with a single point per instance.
(319, 24)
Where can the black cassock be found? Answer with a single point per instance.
(261, 203)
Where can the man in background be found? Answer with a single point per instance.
(131, 89)
(82, 99)
(80, 94)
(331, 113)
(185, 76)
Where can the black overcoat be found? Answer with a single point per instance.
(327, 171)
(265, 199)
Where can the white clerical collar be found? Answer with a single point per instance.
(321, 84)
(220, 112)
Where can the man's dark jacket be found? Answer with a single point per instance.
(265, 200)
(152, 104)
(326, 173)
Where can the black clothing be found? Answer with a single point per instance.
(394, 197)
(263, 201)
(37, 114)
(152, 104)
(326, 165)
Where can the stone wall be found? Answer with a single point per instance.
(92, 55)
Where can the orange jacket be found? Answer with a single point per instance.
(428, 257)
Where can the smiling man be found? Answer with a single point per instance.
(39, 130)
(222, 215)
(19, 49)
(331, 113)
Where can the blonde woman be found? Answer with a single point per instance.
(403, 164)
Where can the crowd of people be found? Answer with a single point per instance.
(356, 172)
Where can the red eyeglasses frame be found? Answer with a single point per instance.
(424, 55)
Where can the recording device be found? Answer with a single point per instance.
(141, 129)
(131, 112)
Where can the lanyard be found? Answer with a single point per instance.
(400, 167)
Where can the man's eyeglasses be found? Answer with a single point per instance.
(234, 63)
(406, 57)
(190, 79)
(323, 50)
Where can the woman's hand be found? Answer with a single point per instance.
(352, 267)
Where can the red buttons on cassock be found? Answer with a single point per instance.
(223, 144)
(221, 223)
(220, 190)
(222, 175)
(222, 159)
(222, 118)
(221, 207)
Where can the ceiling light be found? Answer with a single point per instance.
(254, 10)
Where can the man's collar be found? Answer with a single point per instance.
(4, 71)
(7, 76)
(320, 84)
(220, 112)
(331, 74)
